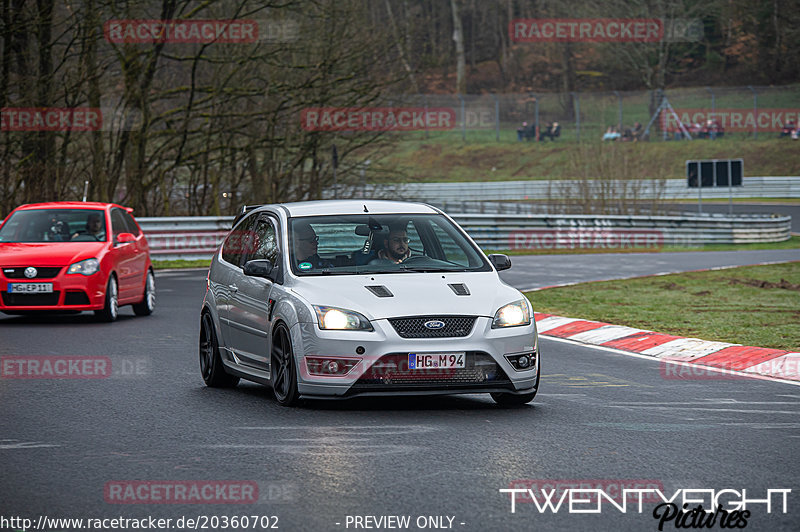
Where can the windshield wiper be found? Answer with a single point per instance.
(423, 269)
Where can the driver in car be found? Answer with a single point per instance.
(94, 227)
(395, 245)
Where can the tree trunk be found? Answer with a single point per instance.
(458, 38)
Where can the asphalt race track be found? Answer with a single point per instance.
(601, 419)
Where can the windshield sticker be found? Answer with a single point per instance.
(305, 266)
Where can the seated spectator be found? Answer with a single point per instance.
(637, 132)
(521, 131)
(552, 131)
(611, 134)
(788, 128)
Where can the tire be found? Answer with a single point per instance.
(211, 367)
(110, 310)
(282, 370)
(511, 399)
(148, 303)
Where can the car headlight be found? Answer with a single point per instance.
(514, 314)
(85, 267)
(332, 318)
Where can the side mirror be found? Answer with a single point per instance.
(259, 268)
(125, 238)
(501, 262)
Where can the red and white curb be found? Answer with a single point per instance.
(775, 363)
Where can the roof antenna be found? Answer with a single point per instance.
(365, 208)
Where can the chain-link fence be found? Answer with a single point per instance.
(710, 113)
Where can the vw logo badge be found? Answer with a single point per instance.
(434, 324)
(31, 272)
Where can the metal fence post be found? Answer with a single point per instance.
(755, 111)
(577, 116)
(496, 118)
(536, 117)
(713, 102)
(463, 119)
(426, 115)
(619, 109)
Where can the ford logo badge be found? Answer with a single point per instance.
(434, 324)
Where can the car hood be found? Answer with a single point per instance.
(413, 294)
(47, 253)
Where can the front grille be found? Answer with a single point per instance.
(391, 372)
(42, 273)
(76, 297)
(414, 327)
(30, 300)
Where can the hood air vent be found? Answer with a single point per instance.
(380, 291)
(459, 288)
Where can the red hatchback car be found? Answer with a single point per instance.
(61, 256)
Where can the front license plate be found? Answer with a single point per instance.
(436, 360)
(30, 288)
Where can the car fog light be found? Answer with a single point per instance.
(522, 361)
(325, 366)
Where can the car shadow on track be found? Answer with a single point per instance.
(466, 402)
(51, 320)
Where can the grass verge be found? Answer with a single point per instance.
(754, 305)
(178, 264)
(448, 159)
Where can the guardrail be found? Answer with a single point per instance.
(666, 189)
(199, 237)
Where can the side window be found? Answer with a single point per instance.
(132, 227)
(265, 243)
(236, 244)
(118, 224)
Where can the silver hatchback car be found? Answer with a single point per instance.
(338, 299)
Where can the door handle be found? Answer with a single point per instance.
(233, 288)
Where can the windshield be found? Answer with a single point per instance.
(352, 244)
(55, 225)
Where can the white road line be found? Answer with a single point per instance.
(24, 445)
(738, 410)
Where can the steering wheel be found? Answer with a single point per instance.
(414, 258)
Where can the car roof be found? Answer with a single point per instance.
(316, 208)
(70, 205)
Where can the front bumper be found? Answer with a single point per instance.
(70, 292)
(380, 368)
